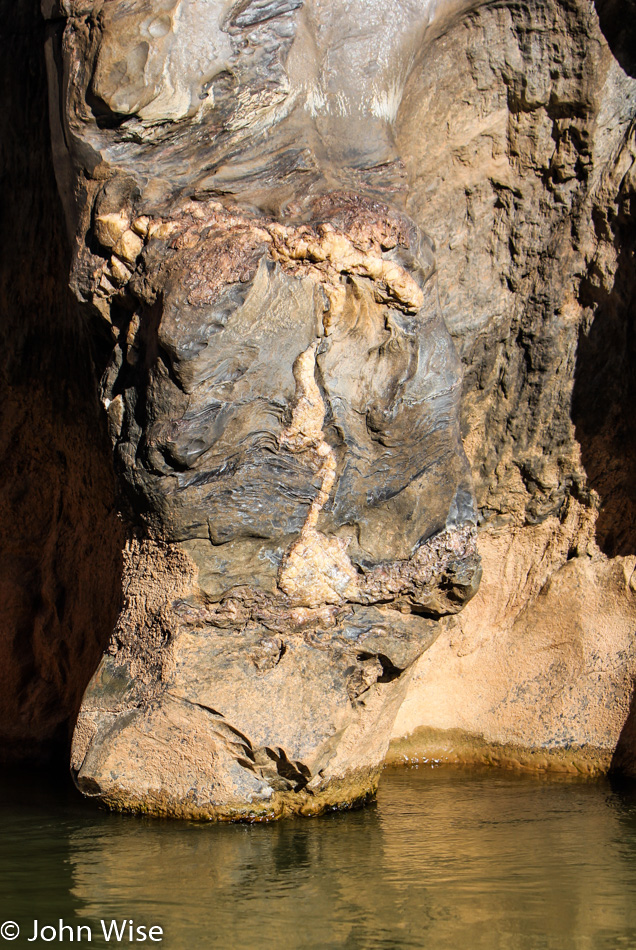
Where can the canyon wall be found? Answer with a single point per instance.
(60, 537)
(354, 286)
(524, 171)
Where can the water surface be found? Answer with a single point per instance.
(447, 858)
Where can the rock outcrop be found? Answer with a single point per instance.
(357, 283)
(524, 172)
(282, 396)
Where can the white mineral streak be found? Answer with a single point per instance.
(365, 51)
(325, 255)
(316, 569)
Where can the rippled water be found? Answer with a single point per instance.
(446, 859)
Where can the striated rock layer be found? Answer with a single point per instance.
(282, 397)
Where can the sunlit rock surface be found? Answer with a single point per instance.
(232, 168)
(282, 395)
(519, 137)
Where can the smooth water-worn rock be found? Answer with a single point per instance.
(282, 396)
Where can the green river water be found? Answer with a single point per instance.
(447, 858)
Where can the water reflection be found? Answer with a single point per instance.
(447, 859)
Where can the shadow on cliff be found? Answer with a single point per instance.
(623, 763)
(60, 537)
(617, 19)
(604, 397)
(605, 376)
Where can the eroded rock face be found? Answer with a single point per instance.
(524, 173)
(283, 397)
(250, 187)
(538, 673)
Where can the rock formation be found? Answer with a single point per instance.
(524, 170)
(60, 538)
(298, 228)
(282, 396)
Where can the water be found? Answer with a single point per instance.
(446, 859)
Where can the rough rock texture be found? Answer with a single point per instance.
(539, 671)
(524, 171)
(282, 397)
(277, 210)
(60, 539)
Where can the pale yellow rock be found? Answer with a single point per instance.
(162, 229)
(140, 225)
(133, 327)
(121, 273)
(129, 246)
(316, 569)
(197, 211)
(102, 305)
(541, 658)
(332, 254)
(305, 429)
(110, 227)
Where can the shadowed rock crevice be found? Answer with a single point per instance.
(624, 758)
(60, 539)
(605, 379)
(617, 19)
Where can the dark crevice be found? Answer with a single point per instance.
(617, 19)
(60, 538)
(213, 712)
(604, 395)
(390, 671)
